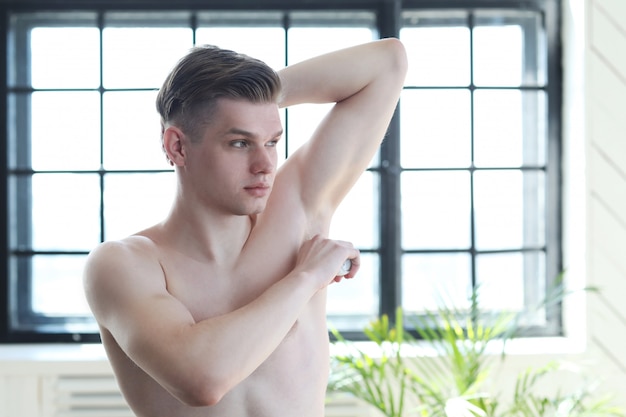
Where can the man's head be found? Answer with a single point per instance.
(207, 73)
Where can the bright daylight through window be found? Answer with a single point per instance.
(463, 193)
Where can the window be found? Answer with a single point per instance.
(464, 191)
(478, 195)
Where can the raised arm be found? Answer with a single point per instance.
(365, 81)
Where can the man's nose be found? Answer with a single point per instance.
(263, 161)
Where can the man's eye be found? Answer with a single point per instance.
(239, 143)
(271, 143)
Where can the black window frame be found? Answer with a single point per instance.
(389, 22)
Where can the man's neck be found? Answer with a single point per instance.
(207, 236)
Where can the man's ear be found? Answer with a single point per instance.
(174, 146)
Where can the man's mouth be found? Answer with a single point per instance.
(258, 189)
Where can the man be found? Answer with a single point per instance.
(219, 310)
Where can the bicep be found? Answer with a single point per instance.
(341, 148)
(365, 82)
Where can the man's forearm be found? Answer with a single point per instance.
(338, 75)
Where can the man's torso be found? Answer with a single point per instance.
(291, 382)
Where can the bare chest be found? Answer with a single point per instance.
(294, 377)
(208, 289)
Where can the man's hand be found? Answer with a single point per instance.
(323, 258)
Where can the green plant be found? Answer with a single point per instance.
(380, 380)
(446, 373)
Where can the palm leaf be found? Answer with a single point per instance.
(446, 372)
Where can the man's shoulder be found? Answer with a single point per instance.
(136, 245)
(130, 252)
(117, 273)
(121, 270)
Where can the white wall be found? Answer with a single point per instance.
(605, 146)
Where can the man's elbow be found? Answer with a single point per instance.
(397, 57)
(201, 392)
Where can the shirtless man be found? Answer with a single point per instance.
(219, 310)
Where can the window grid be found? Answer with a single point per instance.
(390, 172)
(533, 289)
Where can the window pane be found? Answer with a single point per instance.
(510, 209)
(132, 131)
(65, 211)
(508, 48)
(57, 285)
(507, 280)
(435, 130)
(141, 57)
(303, 119)
(509, 128)
(353, 303)
(498, 53)
(438, 56)
(65, 131)
(133, 202)
(435, 210)
(65, 57)
(356, 219)
(435, 280)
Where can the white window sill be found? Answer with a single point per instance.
(25, 359)
(556, 347)
(22, 356)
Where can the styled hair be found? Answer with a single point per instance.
(207, 73)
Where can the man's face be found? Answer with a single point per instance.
(232, 167)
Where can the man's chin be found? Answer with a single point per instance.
(253, 211)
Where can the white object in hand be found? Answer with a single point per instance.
(345, 268)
